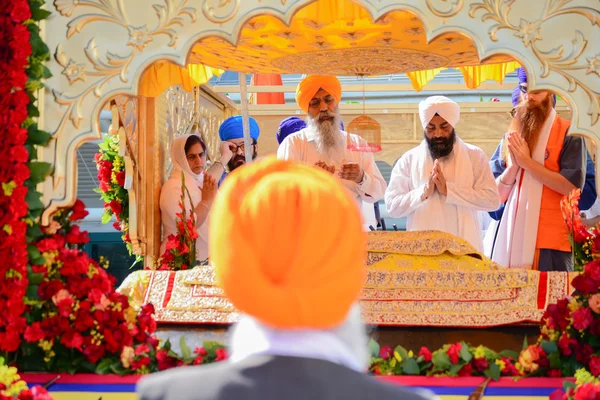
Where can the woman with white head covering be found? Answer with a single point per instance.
(188, 155)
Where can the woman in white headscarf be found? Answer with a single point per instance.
(188, 155)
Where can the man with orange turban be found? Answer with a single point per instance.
(323, 144)
(300, 335)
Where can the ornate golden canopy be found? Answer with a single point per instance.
(339, 37)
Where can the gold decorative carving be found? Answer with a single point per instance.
(221, 12)
(559, 59)
(450, 8)
(366, 61)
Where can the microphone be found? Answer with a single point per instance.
(395, 227)
(371, 228)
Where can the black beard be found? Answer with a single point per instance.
(238, 160)
(441, 147)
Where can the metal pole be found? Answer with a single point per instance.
(245, 118)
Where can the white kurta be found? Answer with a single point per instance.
(470, 184)
(300, 146)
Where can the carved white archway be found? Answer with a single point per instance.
(101, 48)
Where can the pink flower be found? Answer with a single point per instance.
(386, 352)
(582, 318)
(594, 303)
(62, 294)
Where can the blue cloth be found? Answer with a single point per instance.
(522, 75)
(588, 194)
(231, 128)
(516, 96)
(288, 126)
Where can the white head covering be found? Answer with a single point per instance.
(441, 105)
(180, 163)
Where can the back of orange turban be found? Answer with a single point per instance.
(310, 85)
(287, 244)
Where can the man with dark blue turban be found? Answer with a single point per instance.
(288, 126)
(231, 131)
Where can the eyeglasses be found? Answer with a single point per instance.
(316, 102)
(523, 89)
(234, 147)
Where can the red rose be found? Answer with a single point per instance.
(39, 393)
(454, 352)
(72, 340)
(426, 354)
(386, 352)
(480, 364)
(554, 373)
(582, 318)
(595, 365)
(201, 351)
(76, 236)
(34, 332)
(221, 354)
(566, 344)
(78, 211)
(466, 370)
(117, 225)
(198, 360)
(592, 270)
(115, 207)
(583, 352)
(588, 391)
(120, 178)
(584, 284)
(93, 353)
(20, 11)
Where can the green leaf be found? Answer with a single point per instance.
(465, 354)
(33, 252)
(410, 366)
(493, 372)
(38, 14)
(554, 359)
(525, 344)
(34, 232)
(32, 110)
(549, 347)
(39, 171)
(401, 352)
(104, 367)
(510, 354)
(47, 74)
(106, 216)
(103, 146)
(36, 278)
(33, 199)
(37, 136)
(441, 360)
(453, 371)
(186, 353)
(374, 348)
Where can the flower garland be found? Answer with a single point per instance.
(585, 241)
(21, 59)
(77, 318)
(111, 177)
(458, 359)
(12, 387)
(180, 250)
(586, 387)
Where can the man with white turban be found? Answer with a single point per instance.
(442, 183)
(323, 144)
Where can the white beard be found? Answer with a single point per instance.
(328, 139)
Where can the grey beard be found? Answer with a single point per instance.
(328, 137)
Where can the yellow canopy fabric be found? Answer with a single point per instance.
(481, 73)
(159, 76)
(339, 37)
(473, 75)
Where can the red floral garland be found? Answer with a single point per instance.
(14, 52)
